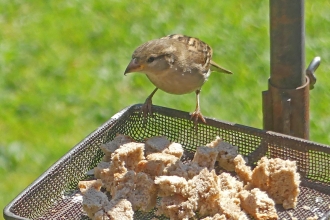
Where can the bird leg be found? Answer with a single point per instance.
(197, 113)
(146, 107)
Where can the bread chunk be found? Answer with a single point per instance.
(231, 208)
(258, 204)
(156, 144)
(243, 171)
(204, 192)
(122, 185)
(175, 207)
(131, 154)
(144, 195)
(85, 185)
(93, 201)
(188, 170)
(215, 143)
(205, 157)
(226, 153)
(125, 158)
(174, 149)
(279, 178)
(110, 147)
(119, 209)
(225, 202)
(107, 175)
(151, 167)
(169, 185)
(215, 217)
(99, 168)
(229, 185)
(166, 159)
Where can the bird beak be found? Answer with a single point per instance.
(133, 67)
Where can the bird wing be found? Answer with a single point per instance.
(199, 52)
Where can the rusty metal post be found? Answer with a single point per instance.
(286, 103)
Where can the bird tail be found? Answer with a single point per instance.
(215, 67)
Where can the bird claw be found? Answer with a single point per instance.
(146, 108)
(195, 116)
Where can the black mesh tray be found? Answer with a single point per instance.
(55, 195)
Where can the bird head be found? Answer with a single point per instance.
(152, 57)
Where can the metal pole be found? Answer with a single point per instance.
(287, 43)
(286, 103)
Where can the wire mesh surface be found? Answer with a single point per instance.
(55, 195)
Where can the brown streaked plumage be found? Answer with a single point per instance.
(176, 64)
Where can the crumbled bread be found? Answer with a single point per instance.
(215, 143)
(178, 169)
(122, 184)
(279, 178)
(227, 153)
(144, 195)
(119, 209)
(231, 208)
(175, 149)
(151, 167)
(209, 208)
(243, 171)
(258, 204)
(169, 185)
(156, 144)
(125, 158)
(188, 171)
(225, 204)
(205, 184)
(204, 191)
(185, 188)
(182, 199)
(166, 159)
(131, 153)
(85, 185)
(225, 200)
(107, 175)
(229, 185)
(93, 201)
(110, 147)
(215, 217)
(175, 207)
(101, 215)
(99, 168)
(205, 157)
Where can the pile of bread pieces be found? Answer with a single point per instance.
(136, 174)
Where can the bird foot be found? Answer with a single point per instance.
(195, 116)
(146, 108)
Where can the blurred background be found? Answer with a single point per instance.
(62, 65)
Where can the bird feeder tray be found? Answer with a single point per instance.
(55, 195)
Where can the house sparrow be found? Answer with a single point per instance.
(176, 64)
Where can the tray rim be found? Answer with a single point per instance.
(8, 215)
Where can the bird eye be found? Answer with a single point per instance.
(150, 59)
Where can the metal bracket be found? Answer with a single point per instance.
(287, 110)
(310, 71)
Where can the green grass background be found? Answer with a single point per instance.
(62, 65)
